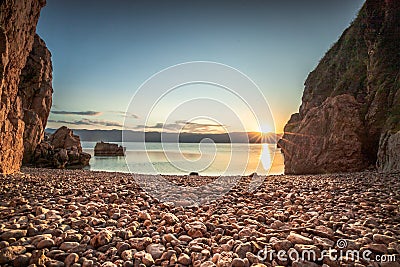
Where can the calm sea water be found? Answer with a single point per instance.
(204, 158)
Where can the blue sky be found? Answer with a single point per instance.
(103, 51)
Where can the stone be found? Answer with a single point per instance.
(242, 249)
(207, 264)
(184, 259)
(71, 259)
(108, 149)
(102, 238)
(16, 234)
(22, 260)
(65, 246)
(87, 263)
(147, 259)
(18, 21)
(140, 243)
(383, 239)
(60, 150)
(38, 258)
(237, 262)
(170, 218)
(128, 254)
(377, 248)
(299, 239)
(143, 215)
(8, 254)
(282, 245)
(108, 264)
(196, 229)
(155, 250)
(45, 243)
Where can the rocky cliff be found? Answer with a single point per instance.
(18, 21)
(35, 91)
(350, 113)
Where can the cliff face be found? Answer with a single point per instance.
(350, 113)
(35, 92)
(18, 21)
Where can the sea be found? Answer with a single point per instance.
(182, 158)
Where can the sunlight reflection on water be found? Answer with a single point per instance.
(260, 158)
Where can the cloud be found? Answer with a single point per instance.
(83, 113)
(126, 114)
(87, 122)
(184, 126)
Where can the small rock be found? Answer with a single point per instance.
(196, 229)
(16, 234)
(22, 260)
(242, 249)
(207, 264)
(45, 243)
(170, 218)
(108, 264)
(299, 239)
(10, 253)
(184, 259)
(65, 246)
(147, 259)
(383, 239)
(377, 248)
(87, 263)
(38, 258)
(71, 259)
(156, 250)
(101, 239)
(237, 262)
(140, 243)
(143, 215)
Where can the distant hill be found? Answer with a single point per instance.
(136, 136)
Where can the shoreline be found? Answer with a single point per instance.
(96, 218)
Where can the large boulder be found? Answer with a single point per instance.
(350, 112)
(60, 150)
(108, 149)
(327, 139)
(18, 21)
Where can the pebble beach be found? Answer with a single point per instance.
(87, 218)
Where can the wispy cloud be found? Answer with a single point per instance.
(87, 122)
(125, 114)
(184, 126)
(83, 113)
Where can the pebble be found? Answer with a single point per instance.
(84, 218)
(184, 259)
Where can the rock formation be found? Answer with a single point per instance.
(108, 149)
(350, 113)
(18, 21)
(61, 150)
(35, 91)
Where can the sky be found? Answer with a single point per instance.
(104, 51)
